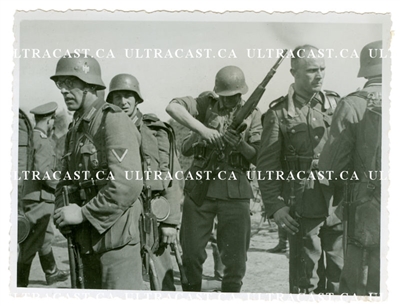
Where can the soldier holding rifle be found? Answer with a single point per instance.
(295, 129)
(103, 213)
(220, 145)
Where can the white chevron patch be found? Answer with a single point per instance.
(119, 154)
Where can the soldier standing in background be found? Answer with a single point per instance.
(38, 202)
(124, 92)
(354, 144)
(209, 118)
(295, 129)
(104, 212)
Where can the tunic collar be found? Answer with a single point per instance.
(320, 97)
(88, 115)
(137, 118)
(374, 81)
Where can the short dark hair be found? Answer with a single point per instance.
(297, 54)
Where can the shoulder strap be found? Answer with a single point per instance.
(154, 122)
(276, 102)
(332, 101)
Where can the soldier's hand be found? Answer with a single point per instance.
(232, 138)
(213, 137)
(285, 221)
(68, 215)
(168, 234)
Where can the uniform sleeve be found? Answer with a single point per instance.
(268, 159)
(336, 154)
(188, 103)
(122, 149)
(253, 135)
(44, 161)
(196, 107)
(187, 144)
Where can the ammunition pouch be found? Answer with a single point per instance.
(199, 150)
(298, 163)
(200, 154)
(237, 160)
(85, 190)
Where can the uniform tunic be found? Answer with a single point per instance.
(226, 199)
(294, 133)
(103, 141)
(38, 200)
(352, 146)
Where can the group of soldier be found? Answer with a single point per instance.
(331, 225)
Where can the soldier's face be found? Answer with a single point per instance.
(231, 101)
(309, 75)
(72, 90)
(126, 100)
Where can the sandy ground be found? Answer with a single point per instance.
(266, 272)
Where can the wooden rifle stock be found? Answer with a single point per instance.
(74, 257)
(255, 97)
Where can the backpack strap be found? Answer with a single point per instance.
(374, 106)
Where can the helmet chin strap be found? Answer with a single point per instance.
(85, 91)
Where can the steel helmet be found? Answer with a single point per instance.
(371, 60)
(230, 81)
(85, 68)
(125, 82)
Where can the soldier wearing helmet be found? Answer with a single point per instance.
(295, 130)
(101, 146)
(208, 117)
(354, 144)
(124, 92)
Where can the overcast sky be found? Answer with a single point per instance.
(162, 79)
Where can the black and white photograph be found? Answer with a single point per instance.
(198, 154)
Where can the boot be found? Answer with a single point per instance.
(281, 247)
(230, 287)
(53, 274)
(191, 287)
(23, 270)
